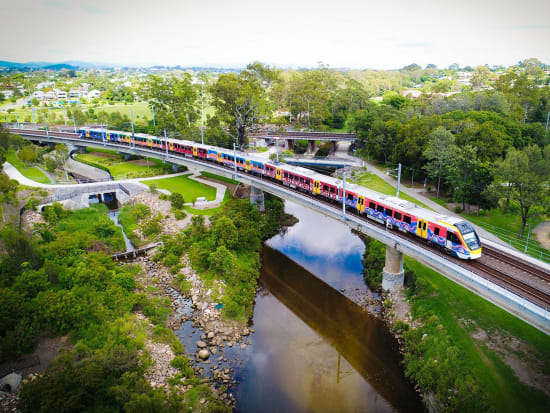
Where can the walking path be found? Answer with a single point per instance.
(48, 175)
(13, 173)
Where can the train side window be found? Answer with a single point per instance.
(326, 189)
(389, 212)
(301, 180)
(436, 231)
(372, 205)
(397, 215)
(332, 190)
(350, 197)
(380, 208)
(407, 219)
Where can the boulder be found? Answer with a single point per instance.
(201, 344)
(204, 354)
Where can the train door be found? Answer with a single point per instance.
(87, 133)
(360, 204)
(316, 187)
(150, 143)
(219, 157)
(278, 175)
(195, 151)
(108, 136)
(422, 228)
(248, 167)
(171, 146)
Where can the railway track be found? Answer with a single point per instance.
(518, 263)
(484, 270)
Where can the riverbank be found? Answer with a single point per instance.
(464, 353)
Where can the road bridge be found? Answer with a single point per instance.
(290, 138)
(397, 245)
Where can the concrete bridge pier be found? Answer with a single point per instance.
(290, 144)
(333, 146)
(126, 155)
(175, 167)
(393, 274)
(257, 198)
(311, 146)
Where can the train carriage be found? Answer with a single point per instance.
(452, 234)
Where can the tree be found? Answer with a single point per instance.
(176, 200)
(28, 154)
(480, 77)
(174, 101)
(222, 261)
(241, 99)
(225, 233)
(523, 175)
(440, 152)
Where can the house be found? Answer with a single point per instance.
(93, 94)
(61, 94)
(75, 93)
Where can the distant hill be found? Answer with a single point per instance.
(47, 65)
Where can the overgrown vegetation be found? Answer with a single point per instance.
(227, 251)
(62, 281)
(441, 354)
(138, 218)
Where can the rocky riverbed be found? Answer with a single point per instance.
(216, 342)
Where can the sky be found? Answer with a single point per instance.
(286, 33)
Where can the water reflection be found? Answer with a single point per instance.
(323, 246)
(314, 349)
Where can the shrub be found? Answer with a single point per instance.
(176, 200)
(179, 214)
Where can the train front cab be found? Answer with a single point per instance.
(462, 241)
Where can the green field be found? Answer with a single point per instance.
(121, 169)
(139, 109)
(188, 188)
(461, 314)
(377, 184)
(27, 171)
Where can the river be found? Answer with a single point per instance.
(114, 217)
(314, 348)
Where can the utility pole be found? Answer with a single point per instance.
(33, 117)
(438, 180)
(398, 180)
(547, 119)
(133, 132)
(17, 119)
(65, 114)
(74, 123)
(235, 159)
(277, 146)
(527, 243)
(153, 109)
(202, 114)
(166, 142)
(344, 194)
(412, 179)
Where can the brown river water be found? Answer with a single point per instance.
(314, 348)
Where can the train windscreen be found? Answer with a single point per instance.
(469, 235)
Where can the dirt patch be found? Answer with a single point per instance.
(142, 162)
(37, 361)
(542, 233)
(519, 356)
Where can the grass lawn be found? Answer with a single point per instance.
(27, 171)
(507, 227)
(210, 211)
(188, 188)
(377, 184)
(219, 178)
(139, 110)
(461, 314)
(121, 169)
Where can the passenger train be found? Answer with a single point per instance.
(453, 235)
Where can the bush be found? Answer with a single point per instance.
(458, 209)
(180, 214)
(176, 200)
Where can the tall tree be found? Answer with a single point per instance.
(174, 101)
(241, 99)
(441, 152)
(480, 77)
(527, 173)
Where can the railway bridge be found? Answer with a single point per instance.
(532, 309)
